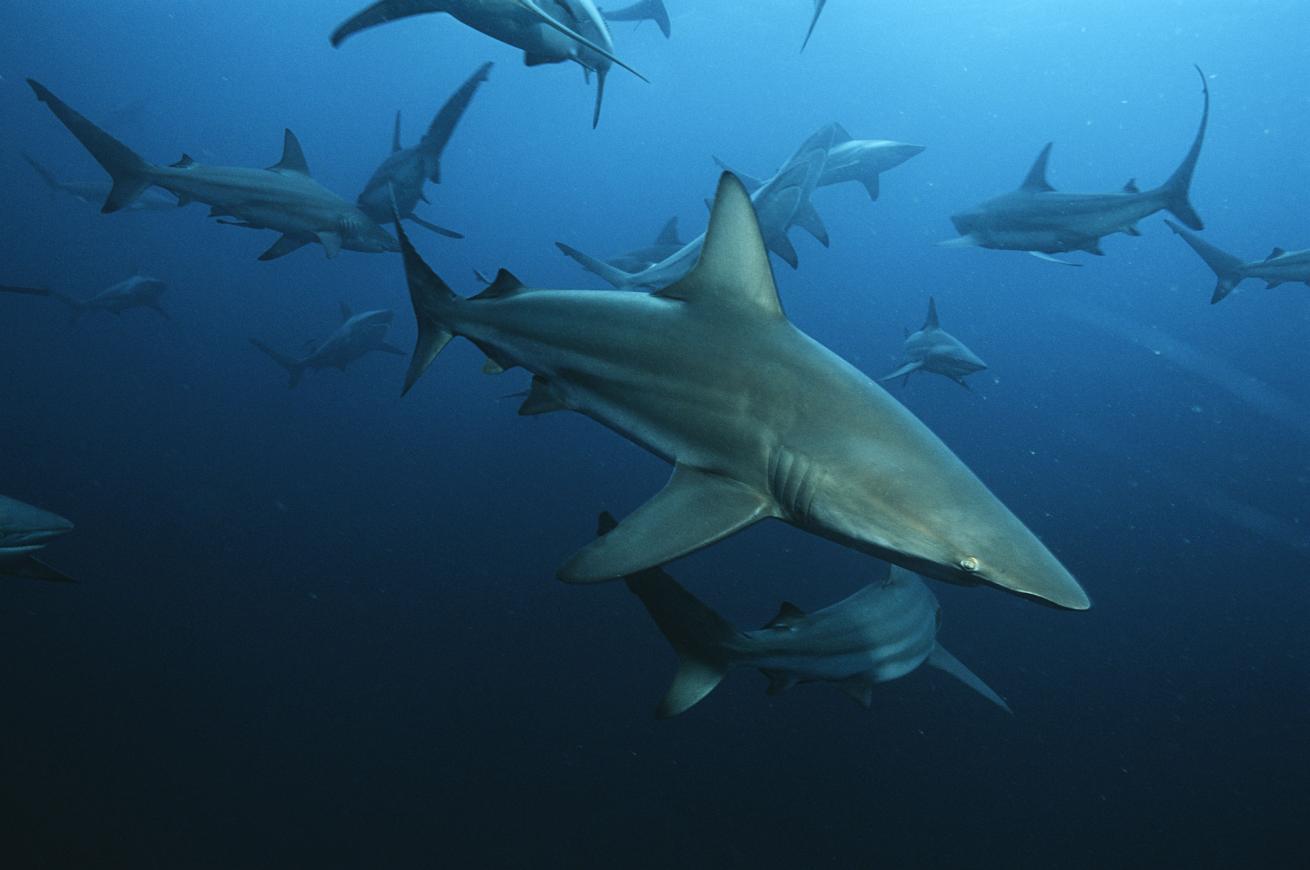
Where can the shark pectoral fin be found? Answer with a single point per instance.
(807, 218)
(1047, 258)
(779, 681)
(331, 242)
(782, 246)
(904, 371)
(943, 660)
(873, 186)
(282, 247)
(695, 509)
(694, 680)
(860, 689)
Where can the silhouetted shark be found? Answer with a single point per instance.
(1280, 267)
(357, 335)
(933, 349)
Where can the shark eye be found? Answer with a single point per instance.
(969, 564)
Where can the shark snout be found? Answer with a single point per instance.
(22, 525)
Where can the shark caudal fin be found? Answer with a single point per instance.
(443, 124)
(432, 299)
(697, 634)
(1226, 267)
(643, 10)
(130, 174)
(818, 10)
(295, 368)
(943, 660)
(380, 13)
(1176, 189)
(616, 277)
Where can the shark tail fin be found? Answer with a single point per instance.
(601, 72)
(131, 174)
(698, 635)
(616, 277)
(375, 14)
(943, 660)
(1176, 189)
(1227, 268)
(644, 10)
(818, 10)
(433, 301)
(443, 124)
(295, 368)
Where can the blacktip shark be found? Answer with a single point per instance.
(137, 291)
(1042, 221)
(665, 245)
(282, 197)
(24, 530)
(757, 418)
(95, 192)
(358, 334)
(1280, 267)
(404, 173)
(547, 31)
(879, 634)
(643, 10)
(818, 10)
(780, 203)
(933, 349)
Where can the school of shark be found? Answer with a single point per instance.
(687, 351)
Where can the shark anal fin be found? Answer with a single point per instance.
(542, 399)
(282, 247)
(779, 681)
(943, 660)
(788, 615)
(695, 509)
(859, 688)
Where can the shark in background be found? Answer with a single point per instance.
(1042, 221)
(24, 530)
(758, 419)
(933, 349)
(1280, 267)
(136, 291)
(95, 192)
(881, 633)
(282, 197)
(666, 244)
(547, 31)
(643, 10)
(358, 335)
(405, 172)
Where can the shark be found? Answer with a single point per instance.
(818, 10)
(25, 529)
(358, 334)
(404, 173)
(780, 203)
(881, 633)
(757, 419)
(136, 291)
(547, 31)
(666, 244)
(1043, 221)
(283, 197)
(933, 349)
(643, 10)
(1280, 267)
(94, 192)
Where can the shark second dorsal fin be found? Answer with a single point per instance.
(184, 161)
(293, 156)
(931, 322)
(788, 615)
(1131, 186)
(395, 134)
(1276, 252)
(346, 313)
(734, 265)
(1035, 181)
(669, 235)
(839, 134)
(504, 284)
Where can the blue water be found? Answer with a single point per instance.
(319, 628)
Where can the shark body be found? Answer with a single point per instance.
(358, 334)
(758, 419)
(1280, 267)
(24, 530)
(933, 349)
(282, 197)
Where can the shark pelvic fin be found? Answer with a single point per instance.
(734, 264)
(788, 615)
(860, 689)
(695, 509)
(1035, 181)
(943, 660)
(293, 156)
(541, 399)
(331, 242)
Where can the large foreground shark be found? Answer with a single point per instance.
(402, 175)
(282, 197)
(879, 634)
(547, 31)
(933, 349)
(357, 335)
(758, 419)
(95, 192)
(780, 203)
(24, 530)
(1280, 267)
(643, 10)
(1040, 220)
(137, 291)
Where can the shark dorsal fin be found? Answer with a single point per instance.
(504, 284)
(931, 322)
(1276, 252)
(184, 161)
(1035, 181)
(734, 264)
(750, 181)
(395, 134)
(788, 615)
(345, 312)
(669, 235)
(839, 134)
(1131, 186)
(293, 157)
